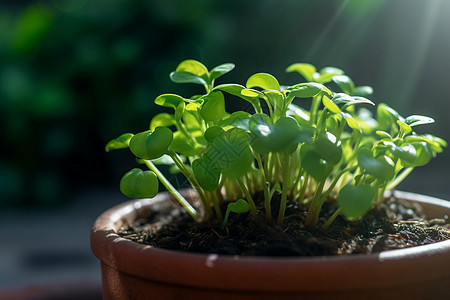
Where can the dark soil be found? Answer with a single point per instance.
(397, 224)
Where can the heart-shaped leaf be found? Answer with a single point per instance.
(381, 167)
(184, 145)
(139, 184)
(268, 137)
(214, 107)
(230, 153)
(328, 148)
(206, 175)
(314, 164)
(122, 142)
(355, 201)
(239, 119)
(264, 81)
(151, 145)
(239, 207)
(213, 132)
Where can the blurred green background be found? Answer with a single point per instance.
(76, 73)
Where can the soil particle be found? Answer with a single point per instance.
(396, 224)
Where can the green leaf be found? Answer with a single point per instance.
(299, 114)
(169, 100)
(314, 164)
(355, 201)
(404, 127)
(239, 207)
(162, 119)
(383, 134)
(121, 142)
(139, 184)
(268, 137)
(362, 91)
(308, 90)
(163, 160)
(151, 145)
(214, 107)
(330, 105)
(347, 100)
(193, 67)
(352, 122)
(230, 153)
(306, 70)
(213, 132)
(186, 77)
(220, 70)
(207, 176)
(423, 155)
(345, 83)
(238, 119)
(415, 120)
(328, 148)
(386, 117)
(182, 144)
(264, 81)
(326, 74)
(179, 111)
(405, 153)
(381, 167)
(236, 90)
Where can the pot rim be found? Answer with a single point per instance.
(386, 268)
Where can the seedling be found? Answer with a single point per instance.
(336, 150)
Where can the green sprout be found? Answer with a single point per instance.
(335, 151)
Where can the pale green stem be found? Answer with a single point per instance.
(331, 219)
(248, 196)
(286, 175)
(314, 208)
(191, 178)
(265, 189)
(399, 178)
(215, 201)
(191, 210)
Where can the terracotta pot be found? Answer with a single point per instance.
(135, 271)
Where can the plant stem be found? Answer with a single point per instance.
(314, 108)
(301, 194)
(331, 219)
(399, 178)
(248, 196)
(314, 208)
(191, 210)
(216, 205)
(286, 175)
(191, 178)
(265, 189)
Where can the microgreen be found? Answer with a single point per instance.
(335, 151)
